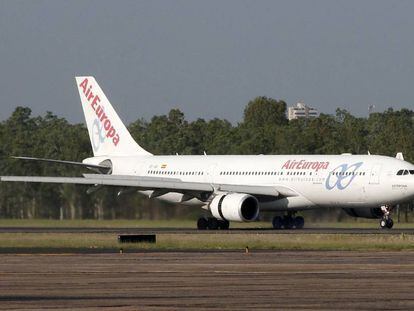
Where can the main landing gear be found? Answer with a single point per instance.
(386, 221)
(288, 222)
(212, 223)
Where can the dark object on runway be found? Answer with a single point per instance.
(137, 238)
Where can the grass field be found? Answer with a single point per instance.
(173, 223)
(213, 241)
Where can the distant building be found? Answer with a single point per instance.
(302, 111)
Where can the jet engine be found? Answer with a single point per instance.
(372, 213)
(235, 207)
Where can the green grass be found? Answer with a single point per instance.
(89, 223)
(367, 224)
(174, 223)
(92, 223)
(210, 241)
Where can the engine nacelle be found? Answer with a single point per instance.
(235, 207)
(372, 213)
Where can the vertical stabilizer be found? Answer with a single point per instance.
(108, 134)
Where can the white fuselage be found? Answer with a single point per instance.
(356, 181)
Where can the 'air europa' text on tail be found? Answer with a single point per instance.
(105, 121)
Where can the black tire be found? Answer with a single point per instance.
(213, 223)
(288, 222)
(223, 224)
(202, 223)
(277, 222)
(390, 223)
(299, 222)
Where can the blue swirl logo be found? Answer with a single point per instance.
(98, 135)
(342, 176)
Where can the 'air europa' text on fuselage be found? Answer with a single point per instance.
(94, 101)
(305, 165)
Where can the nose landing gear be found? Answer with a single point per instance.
(386, 221)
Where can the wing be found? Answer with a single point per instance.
(156, 183)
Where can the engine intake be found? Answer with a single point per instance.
(235, 207)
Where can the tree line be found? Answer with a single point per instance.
(264, 129)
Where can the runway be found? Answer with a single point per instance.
(195, 231)
(265, 280)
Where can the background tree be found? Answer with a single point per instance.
(264, 129)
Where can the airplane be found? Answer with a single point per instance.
(234, 187)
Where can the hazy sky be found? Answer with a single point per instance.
(207, 58)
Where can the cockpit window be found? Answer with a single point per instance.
(400, 172)
(406, 172)
(412, 172)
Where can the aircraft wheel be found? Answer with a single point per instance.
(277, 222)
(202, 223)
(223, 224)
(299, 222)
(288, 222)
(389, 223)
(213, 223)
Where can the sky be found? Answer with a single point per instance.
(206, 58)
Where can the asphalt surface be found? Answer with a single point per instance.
(195, 231)
(265, 280)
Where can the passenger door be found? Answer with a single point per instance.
(210, 173)
(374, 178)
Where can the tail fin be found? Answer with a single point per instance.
(108, 134)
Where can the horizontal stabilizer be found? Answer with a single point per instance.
(103, 168)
